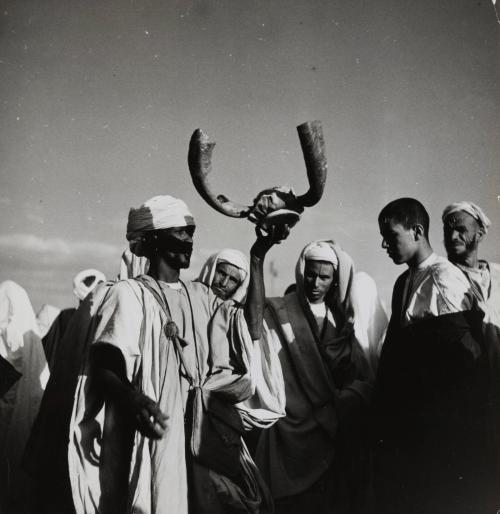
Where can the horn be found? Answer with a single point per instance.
(200, 166)
(313, 148)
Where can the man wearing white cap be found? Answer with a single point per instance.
(465, 225)
(312, 457)
(169, 361)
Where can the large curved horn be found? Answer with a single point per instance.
(200, 166)
(313, 148)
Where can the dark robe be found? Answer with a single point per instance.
(432, 452)
(53, 337)
(8, 375)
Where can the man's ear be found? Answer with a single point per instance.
(480, 234)
(418, 230)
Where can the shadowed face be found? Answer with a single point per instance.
(462, 235)
(400, 242)
(226, 280)
(175, 245)
(318, 278)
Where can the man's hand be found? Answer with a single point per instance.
(150, 421)
(275, 234)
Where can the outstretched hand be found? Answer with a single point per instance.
(150, 421)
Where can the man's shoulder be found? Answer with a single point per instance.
(402, 276)
(202, 293)
(400, 281)
(197, 287)
(494, 273)
(276, 302)
(445, 272)
(284, 306)
(120, 291)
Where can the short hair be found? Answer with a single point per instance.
(407, 212)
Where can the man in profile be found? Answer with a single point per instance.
(430, 382)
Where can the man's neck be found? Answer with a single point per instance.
(160, 270)
(469, 261)
(423, 253)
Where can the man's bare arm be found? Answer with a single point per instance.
(109, 371)
(256, 296)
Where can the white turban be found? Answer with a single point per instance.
(321, 251)
(81, 290)
(470, 208)
(157, 213)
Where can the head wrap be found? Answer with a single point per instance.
(157, 213)
(132, 266)
(470, 208)
(321, 251)
(341, 300)
(234, 257)
(81, 290)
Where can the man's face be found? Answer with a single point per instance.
(226, 280)
(318, 278)
(462, 234)
(176, 245)
(400, 242)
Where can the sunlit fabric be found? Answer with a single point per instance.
(21, 346)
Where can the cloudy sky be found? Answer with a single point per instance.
(99, 99)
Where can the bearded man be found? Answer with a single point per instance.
(465, 225)
(155, 428)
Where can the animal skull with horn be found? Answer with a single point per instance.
(271, 206)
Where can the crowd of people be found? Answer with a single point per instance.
(164, 396)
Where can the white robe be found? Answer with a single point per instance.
(131, 320)
(21, 346)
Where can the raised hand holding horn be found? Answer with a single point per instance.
(272, 206)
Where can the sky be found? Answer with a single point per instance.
(98, 101)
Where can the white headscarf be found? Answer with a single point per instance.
(321, 251)
(234, 257)
(344, 265)
(21, 346)
(157, 213)
(81, 290)
(132, 266)
(470, 208)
